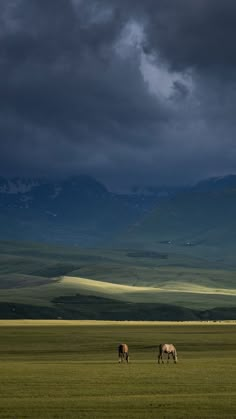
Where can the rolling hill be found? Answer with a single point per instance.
(41, 281)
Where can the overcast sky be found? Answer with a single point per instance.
(132, 92)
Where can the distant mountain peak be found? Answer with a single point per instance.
(217, 183)
(17, 185)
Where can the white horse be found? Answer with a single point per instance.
(169, 349)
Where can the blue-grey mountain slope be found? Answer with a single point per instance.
(200, 221)
(79, 210)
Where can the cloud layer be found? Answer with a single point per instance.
(130, 92)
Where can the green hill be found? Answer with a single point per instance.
(39, 281)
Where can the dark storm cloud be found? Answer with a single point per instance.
(187, 33)
(196, 34)
(129, 91)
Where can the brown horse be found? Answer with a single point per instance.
(169, 349)
(123, 352)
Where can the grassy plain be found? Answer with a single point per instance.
(69, 370)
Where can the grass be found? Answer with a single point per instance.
(70, 370)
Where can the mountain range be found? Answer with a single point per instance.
(78, 210)
(82, 211)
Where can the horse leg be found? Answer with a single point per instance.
(160, 358)
(168, 357)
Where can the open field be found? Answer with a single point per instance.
(64, 369)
